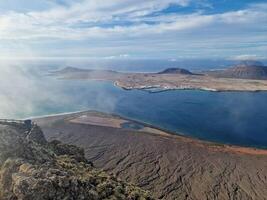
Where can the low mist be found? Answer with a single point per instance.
(26, 90)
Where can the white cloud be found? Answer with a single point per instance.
(120, 56)
(94, 11)
(126, 21)
(248, 57)
(62, 22)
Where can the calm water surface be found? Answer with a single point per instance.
(226, 117)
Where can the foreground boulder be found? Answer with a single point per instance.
(32, 168)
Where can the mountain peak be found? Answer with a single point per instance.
(249, 63)
(176, 71)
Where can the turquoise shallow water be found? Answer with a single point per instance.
(226, 117)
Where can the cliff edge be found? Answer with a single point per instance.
(32, 168)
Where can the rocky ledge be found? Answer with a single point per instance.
(32, 168)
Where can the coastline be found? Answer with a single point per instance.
(53, 115)
(166, 81)
(159, 162)
(167, 133)
(162, 89)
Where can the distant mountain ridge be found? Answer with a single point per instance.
(81, 70)
(253, 70)
(71, 69)
(243, 70)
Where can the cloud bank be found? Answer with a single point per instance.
(143, 29)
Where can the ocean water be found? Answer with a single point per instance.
(225, 117)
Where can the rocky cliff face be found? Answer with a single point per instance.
(32, 168)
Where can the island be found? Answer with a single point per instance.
(246, 76)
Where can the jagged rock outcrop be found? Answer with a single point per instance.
(34, 169)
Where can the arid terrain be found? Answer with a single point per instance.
(33, 169)
(170, 166)
(238, 78)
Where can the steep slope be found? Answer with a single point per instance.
(244, 70)
(170, 166)
(176, 71)
(34, 169)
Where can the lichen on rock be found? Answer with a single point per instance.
(34, 169)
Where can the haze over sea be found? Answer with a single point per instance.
(225, 117)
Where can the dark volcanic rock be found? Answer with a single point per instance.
(244, 70)
(34, 169)
(171, 167)
(176, 71)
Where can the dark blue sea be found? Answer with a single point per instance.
(225, 117)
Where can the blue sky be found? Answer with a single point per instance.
(134, 29)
